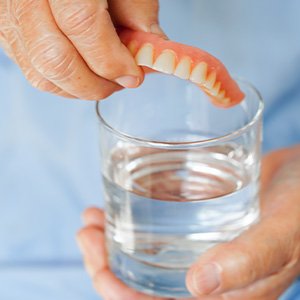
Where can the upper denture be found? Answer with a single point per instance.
(183, 68)
(199, 73)
(165, 62)
(185, 62)
(144, 56)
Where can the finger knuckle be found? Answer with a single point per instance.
(245, 258)
(44, 85)
(21, 11)
(77, 18)
(53, 59)
(40, 82)
(108, 68)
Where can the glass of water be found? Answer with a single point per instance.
(180, 176)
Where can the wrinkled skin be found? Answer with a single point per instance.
(258, 265)
(71, 48)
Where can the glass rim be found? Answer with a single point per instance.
(179, 145)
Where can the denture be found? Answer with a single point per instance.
(185, 62)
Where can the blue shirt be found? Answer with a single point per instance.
(49, 162)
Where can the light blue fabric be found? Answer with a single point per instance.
(49, 163)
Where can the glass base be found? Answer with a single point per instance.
(149, 279)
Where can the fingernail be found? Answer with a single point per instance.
(128, 81)
(207, 279)
(156, 29)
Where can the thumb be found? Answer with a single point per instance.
(267, 248)
(136, 14)
(258, 253)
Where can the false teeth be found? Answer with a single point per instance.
(210, 81)
(183, 68)
(165, 62)
(198, 74)
(144, 56)
(215, 90)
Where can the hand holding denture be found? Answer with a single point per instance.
(71, 48)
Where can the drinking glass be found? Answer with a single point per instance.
(180, 176)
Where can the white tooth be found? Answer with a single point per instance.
(144, 56)
(199, 73)
(211, 79)
(215, 90)
(165, 62)
(183, 68)
(132, 47)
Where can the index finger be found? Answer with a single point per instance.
(91, 241)
(54, 56)
(89, 27)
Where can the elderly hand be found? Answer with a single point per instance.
(70, 47)
(258, 265)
